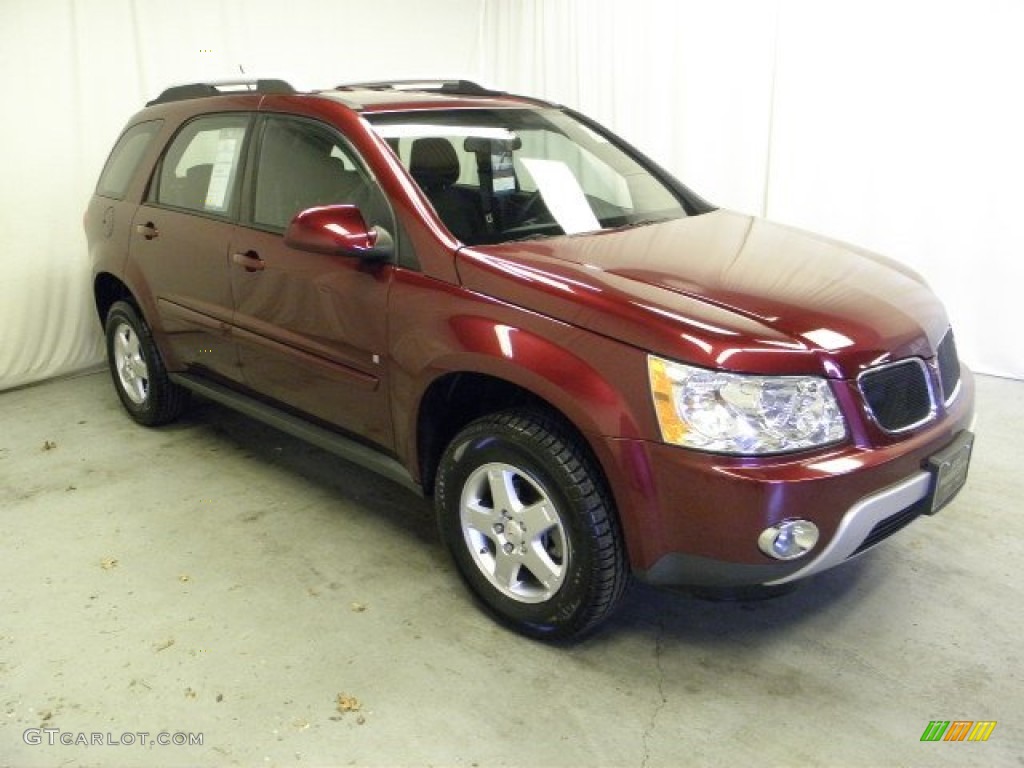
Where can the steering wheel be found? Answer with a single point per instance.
(527, 208)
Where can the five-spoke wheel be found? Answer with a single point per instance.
(129, 364)
(530, 525)
(513, 531)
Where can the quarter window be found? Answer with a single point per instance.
(200, 170)
(125, 158)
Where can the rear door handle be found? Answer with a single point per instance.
(250, 260)
(147, 230)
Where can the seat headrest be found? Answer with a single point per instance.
(433, 162)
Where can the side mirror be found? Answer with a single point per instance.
(338, 230)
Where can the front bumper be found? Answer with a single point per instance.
(885, 512)
(693, 519)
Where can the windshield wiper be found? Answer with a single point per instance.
(641, 223)
(531, 236)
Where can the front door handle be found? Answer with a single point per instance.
(250, 260)
(147, 230)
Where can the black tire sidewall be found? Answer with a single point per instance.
(565, 612)
(122, 313)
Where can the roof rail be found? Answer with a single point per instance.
(456, 87)
(218, 87)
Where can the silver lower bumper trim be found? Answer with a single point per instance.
(858, 522)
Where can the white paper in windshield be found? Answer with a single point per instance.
(562, 194)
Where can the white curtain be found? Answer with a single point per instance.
(893, 125)
(72, 72)
(897, 125)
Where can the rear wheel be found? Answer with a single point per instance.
(140, 378)
(530, 525)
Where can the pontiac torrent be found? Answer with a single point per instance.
(494, 300)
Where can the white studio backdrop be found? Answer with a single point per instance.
(894, 125)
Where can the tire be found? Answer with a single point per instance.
(140, 378)
(532, 529)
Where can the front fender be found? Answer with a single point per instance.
(598, 384)
(562, 367)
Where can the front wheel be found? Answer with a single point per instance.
(530, 524)
(140, 378)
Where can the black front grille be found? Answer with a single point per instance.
(898, 395)
(949, 366)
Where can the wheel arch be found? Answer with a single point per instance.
(568, 384)
(108, 289)
(455, 399)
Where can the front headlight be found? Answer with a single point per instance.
(734, 413)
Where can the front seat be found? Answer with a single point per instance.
(435, 167)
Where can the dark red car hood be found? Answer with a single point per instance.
(721, 290)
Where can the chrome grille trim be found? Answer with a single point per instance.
(925, 381)
(947, 364)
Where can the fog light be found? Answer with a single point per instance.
(789, 539)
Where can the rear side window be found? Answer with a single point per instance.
(200, 171)
(125, 158)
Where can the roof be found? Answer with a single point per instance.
(373, 96)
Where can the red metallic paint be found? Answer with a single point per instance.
(308, 326)
(334, 230)
(597, 383)
(722, 291)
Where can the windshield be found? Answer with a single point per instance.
(507, 174)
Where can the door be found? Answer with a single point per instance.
(181, 239)
(311, 328)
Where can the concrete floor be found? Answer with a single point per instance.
(218, 578)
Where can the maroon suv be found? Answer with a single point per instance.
(496, 301)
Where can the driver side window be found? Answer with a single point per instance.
(303, 165)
